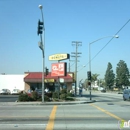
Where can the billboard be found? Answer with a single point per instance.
(58, 69)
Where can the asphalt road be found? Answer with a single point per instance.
(104, 114)
(8, 98)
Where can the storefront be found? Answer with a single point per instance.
(33, 80)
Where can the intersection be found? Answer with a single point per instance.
(104, 114)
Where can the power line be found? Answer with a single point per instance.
(111, 39)
(108, 42)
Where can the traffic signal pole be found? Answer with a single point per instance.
(41, 29)
(89, 82)
(89, 72)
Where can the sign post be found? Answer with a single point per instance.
(60, 68)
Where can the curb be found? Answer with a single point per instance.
(56, 103)
(47, 103)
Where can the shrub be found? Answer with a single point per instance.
(40, 99)
(63, 91)
(63, 96)
(49, 94)
(55, 95)
(56, 99)
(70, 98)
(46, 98)
(34, 95)
(70, 94)
(23, 97)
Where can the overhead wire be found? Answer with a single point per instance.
(108, 42)
(111, 39)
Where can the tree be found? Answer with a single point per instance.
(85, 84)
(122, 74)
(94, 77)
(109, 76)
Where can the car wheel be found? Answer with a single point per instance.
(124, 98)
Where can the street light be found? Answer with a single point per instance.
(89, 72)
(41, 45)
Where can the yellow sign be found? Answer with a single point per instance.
(59, 57)
(49, 80)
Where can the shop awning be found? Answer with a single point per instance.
(36, 77)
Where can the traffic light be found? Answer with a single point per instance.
(47, 71)
(40, 27)
(89, 83)
(89, 75)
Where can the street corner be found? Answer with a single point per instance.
(91, 101)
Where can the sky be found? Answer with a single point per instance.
(65, 21)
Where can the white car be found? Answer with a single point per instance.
(5, 91)
(15, 91)
(126, 94)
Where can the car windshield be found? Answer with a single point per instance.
(39, 91)
(15, 90)
(4, 89)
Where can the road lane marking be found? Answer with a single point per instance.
(107, 112)
(50, 124)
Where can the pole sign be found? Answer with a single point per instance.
(58, 69)
(59, 57)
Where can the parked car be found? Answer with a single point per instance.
(15, 92)
(5, 91)
(126, 94)
(103, 90)
(120, 92)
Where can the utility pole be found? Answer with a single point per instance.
(69, 64)
(76, 55)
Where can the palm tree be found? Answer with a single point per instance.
(94, 77)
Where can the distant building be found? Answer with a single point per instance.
(12, 81)
(33, 80)
(95, 85)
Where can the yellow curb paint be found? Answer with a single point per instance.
(50, 124)
(108, 113)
